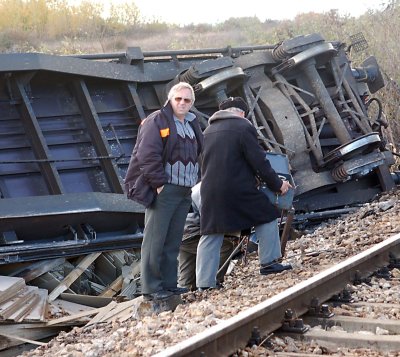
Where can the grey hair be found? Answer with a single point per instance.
(177, 87)
(234, 109)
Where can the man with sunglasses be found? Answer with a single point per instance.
(163, 169)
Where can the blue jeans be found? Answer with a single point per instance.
(207, 260)
(269, 243)
(187, 261)
(208, 252)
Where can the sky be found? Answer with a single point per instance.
(214, 11)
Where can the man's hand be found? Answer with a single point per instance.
(159, 189)
(285, 187)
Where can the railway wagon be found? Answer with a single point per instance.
(68, 125)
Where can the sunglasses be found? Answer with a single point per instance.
(186, 100)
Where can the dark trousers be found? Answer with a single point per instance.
(187, 261)
(164, 222)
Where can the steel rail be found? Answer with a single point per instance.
(225, 338)
(165, 53)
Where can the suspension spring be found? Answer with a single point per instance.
(339, 174)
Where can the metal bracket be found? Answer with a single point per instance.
(383, 273)
(394, 262)
(257, 340)
(72, 230)
(319, 310)
(88, 231)
(292, 323)
(343, 296)
(359, 279)
(255, 337)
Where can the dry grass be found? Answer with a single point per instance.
(71, 30)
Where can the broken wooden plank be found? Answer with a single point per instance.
(10, 286)
(18, 350)
(26, 340)
(68, 307)
(129, 286)
(17, 303)
(79, 284)
(99, 317)
(29, 331)
(130, 290)
(39, 268)
(96, 288)
(19, 315)
(33, 309)
(130, 271)
(48, 281)
(114, 287)
(117, 309)
(88, 300)
(39, 311)
(117, 257)
(73, 275)
(124, 312)
(74, 317)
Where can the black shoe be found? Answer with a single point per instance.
(159, 295)
(218, 286)
(274, 268)
(178, 290)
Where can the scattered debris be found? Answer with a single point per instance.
(68, 292)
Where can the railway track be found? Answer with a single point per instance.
(220, 322)
(231, 335)
(365, 321)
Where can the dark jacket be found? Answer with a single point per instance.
(231, 160)
(154, 145)
(192, 224)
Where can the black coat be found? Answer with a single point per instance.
(231, 160)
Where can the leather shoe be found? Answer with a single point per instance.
(178, 290)
(219, 286)
(159, 295)
(274, 268)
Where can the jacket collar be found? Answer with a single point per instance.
(167, 110)
(222, 115)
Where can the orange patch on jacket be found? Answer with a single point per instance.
(164, 132)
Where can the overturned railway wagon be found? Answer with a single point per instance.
(68, 125)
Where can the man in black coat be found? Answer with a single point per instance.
(232, 159)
